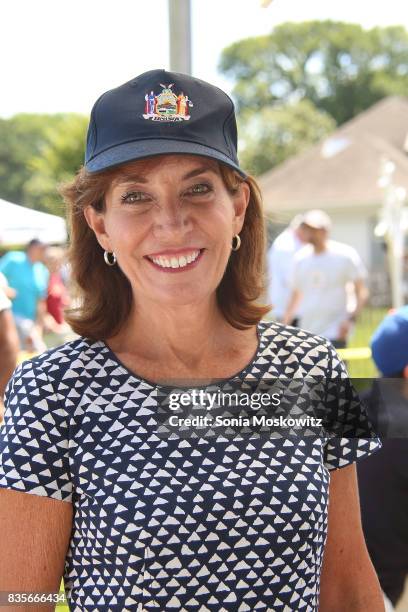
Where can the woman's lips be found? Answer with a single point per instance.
(171, 270)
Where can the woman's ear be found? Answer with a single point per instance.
(241, 201)
(96, 222)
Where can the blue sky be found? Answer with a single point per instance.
(60, 55)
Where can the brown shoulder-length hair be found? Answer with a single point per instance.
(104, 295)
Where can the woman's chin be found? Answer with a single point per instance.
(188, 296)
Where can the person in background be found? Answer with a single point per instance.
(65, 274)
(28, 276)
(8, 343)
(280, 261)
(321, 277)
(57, 295)
(8, 291)
(383, 482)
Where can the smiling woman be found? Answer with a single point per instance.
(167, 251)
(164, 203)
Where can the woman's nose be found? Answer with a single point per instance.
(172, 219)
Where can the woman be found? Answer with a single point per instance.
(167, 251)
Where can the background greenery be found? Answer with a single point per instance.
(339, 69)
(37, 152)
(291, 87)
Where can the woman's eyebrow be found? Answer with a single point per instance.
(139, 178)
(131, 178)
(198, 171)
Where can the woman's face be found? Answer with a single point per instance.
(170, 221)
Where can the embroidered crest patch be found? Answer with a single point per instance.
(167, 106)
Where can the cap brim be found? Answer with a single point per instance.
(140, 149)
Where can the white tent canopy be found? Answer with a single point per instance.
(19, 225)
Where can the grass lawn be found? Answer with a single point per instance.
(368, 321)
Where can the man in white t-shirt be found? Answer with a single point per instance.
(280, 260)
(323, 273)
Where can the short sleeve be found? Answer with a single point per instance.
(357, 269)
(34, 441)
(351, 435)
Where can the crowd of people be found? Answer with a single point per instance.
(33, 296)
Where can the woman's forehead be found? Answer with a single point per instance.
(183, 163)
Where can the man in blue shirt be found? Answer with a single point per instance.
(27, 274)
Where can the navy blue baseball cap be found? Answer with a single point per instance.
(158, 113)
(389, 344)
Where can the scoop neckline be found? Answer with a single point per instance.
(134, 375)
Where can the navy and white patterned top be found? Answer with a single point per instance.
(178, 523)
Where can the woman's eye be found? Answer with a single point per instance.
(134, 196)
(200, 189)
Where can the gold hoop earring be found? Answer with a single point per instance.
(108, 261)
(238, 243)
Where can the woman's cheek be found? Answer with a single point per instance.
(127, 223)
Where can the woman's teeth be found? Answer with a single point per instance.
(175, 262)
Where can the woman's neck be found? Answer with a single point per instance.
(184, 334)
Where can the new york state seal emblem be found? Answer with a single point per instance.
(167, 106)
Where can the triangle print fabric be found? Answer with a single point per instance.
(195, 524)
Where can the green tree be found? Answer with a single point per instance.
(60, 157)
(274, 133)
(340, 67)
(21, 138)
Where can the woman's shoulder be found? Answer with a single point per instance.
(287, 334)
(67, 361)
(292, 350)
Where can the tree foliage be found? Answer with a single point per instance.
(21, 139)
(37, 152)
(273, 134)
(61, 157)
(291, 88)
(340, 67)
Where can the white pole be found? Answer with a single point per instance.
(393, 230)
(396, 247)
(180, 35)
